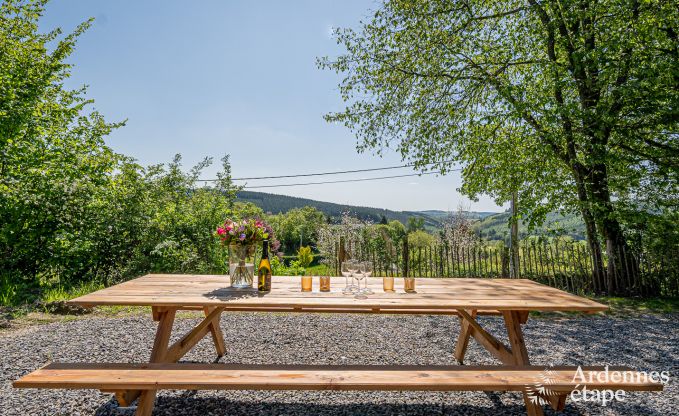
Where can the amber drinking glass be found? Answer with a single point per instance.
(388, 284)
(306, 283)
(325, 283)
(409, 284)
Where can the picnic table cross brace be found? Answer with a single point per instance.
(516, 354)
(162, 352)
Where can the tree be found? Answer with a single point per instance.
(575, 104)
(297, 226)
(305, 256)
(53, 158)
(458, 230)
(72, 211)
(415, 224)
(420, 239)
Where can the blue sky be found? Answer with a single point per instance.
(239, 77)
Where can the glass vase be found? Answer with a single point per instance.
(242, 265)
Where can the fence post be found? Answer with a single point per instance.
(341, 253)
(505, 261)
(406, 257)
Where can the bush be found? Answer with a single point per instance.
(304, 256)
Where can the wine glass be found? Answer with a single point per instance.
(360, 293)
(348, 269)
(367, 271)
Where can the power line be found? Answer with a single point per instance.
(338, 172)
(341, 181)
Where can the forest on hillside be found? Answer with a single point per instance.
(277, 204)
(488, 225)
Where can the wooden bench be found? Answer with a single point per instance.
(119, 378)
(512, 299)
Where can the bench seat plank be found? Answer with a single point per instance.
(189, 376)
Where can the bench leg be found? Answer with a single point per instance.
(463, 339)
(217, 335)
(164, 353)
(513, 320)
(160, 346)
(146, 403)
(147, 398)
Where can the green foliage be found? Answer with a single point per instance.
(74, 213)
(278, 268)
(574, 104)
(495, 227)
(415, 224)
(53, 160)
(64, 293)
(297, 226)
(304, 256)
(420, 239)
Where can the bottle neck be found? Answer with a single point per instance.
(265, 249)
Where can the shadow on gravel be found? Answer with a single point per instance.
(189, 404)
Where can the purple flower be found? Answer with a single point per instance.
(242, 237)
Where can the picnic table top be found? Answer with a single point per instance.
(172, 290)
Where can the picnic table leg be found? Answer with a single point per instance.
(163, 353)
(217, 335)
(463, 339)
(513, 321)
(160, 345)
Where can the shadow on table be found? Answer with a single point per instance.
(190, 404)
(229, 293)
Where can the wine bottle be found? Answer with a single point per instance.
(264, 270)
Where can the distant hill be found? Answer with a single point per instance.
(275, 204)
(475, 215)
(495, 227)
(489, 225)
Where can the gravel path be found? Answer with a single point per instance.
(648, 343)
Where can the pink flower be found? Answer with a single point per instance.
(221, 231)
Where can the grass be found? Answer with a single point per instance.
(319, 270)
(633, 305)
(624, 307)
(63, 293)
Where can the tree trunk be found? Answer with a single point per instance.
(618, 277)
(598, 273)
(514, 240)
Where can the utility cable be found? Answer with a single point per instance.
(339, 181)
(338, 172)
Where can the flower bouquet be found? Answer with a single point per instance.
(242, 237)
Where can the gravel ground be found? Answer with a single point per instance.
(648, 342)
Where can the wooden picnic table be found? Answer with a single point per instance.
(511, 299)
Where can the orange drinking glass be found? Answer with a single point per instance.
(325, 283)
(388, 284)
(306, 283)
(409, 284)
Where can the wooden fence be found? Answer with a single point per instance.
(565, 265)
